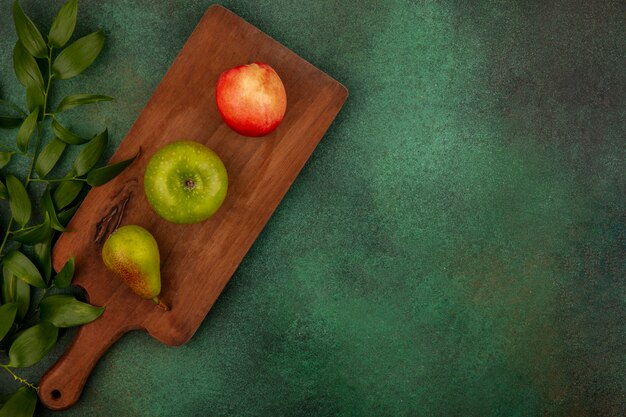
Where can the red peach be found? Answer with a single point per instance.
(251, 99)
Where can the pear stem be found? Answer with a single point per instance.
(160, 304)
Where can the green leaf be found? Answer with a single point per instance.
(105, 174)
(19, 200)
(31, 345)
(66, 215)
(28, 33)
(26, 68)
(75, 100)
(22, 297)
(21, 404)
(4, 194)
(49, 156)
(34, 235)
(42, 252)
(64, 278)
(48, 206)
(63, 25)
(66, 192)
(65, 135)
(11, 115)
(14, 290)
(26, 130)
(66, 311)
(78, 56)
(5, 158)
(91, 153)
(8, 122)
(14, 107)
(7, 316)
(34, 98)
(19, 265)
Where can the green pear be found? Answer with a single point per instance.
(132, 254)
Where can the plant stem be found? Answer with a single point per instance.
(58, 179)
(24, 229)
(19, 378)
(43, 295)
(6, 235)
(45, 94)
(45, 105)
(34, 155)
(37, 308)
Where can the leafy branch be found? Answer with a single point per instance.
(18, 378)
(28, 330)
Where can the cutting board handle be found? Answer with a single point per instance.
(63, 384)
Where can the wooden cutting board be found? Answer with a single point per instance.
(196, 260)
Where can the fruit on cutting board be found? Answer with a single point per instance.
(251, 99)
(185, 182)
(132, 254)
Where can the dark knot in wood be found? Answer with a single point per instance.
(115, 213)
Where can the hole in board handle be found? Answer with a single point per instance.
(55, 394)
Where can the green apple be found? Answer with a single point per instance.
(185, 182)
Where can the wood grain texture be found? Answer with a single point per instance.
(196, 260)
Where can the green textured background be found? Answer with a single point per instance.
(454, 247)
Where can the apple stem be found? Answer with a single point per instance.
(190, 184)
(160, 304)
